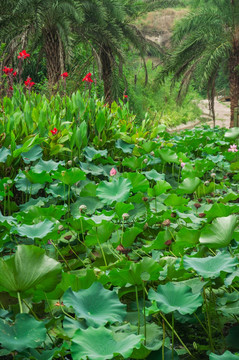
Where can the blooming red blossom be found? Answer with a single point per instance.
(10, 88)
(23, 55)
(87, 78)
(15, 73)
(125, 96)
(64, 75)
(29, 83)
(54, 131)
(7, 71)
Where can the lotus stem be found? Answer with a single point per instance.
(19, 302)
(137, 303)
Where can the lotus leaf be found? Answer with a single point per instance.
(118, 190)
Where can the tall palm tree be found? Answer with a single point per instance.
(45, 22)
(204, 40)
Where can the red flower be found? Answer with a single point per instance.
(54, 131)
(87, 78)
(15, 73)
(29, 83)
(7, 71)
(23, 55)
(64, 75)
(10, 88)
(125, 96)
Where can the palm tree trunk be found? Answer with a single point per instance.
(234, 78)
(106, 58)
(53, 56)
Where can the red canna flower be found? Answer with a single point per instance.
(125, 96)
(64, 75)
(29, 83)
(23, 55)
(10, 88)
(15, 73)
(7, 71)
(87, 78)
(54, 131)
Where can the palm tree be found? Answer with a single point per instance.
(204, 41)
(45, 22)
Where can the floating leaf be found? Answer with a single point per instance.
(171, 297)
(226, 356)
(96, 305)
(118, 190)
(35, 231)
(25, 333)
(219, 233)
(29, 269)
(211, 266)
(189, 185)
(101, 344)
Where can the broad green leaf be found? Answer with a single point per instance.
(70, 176)
(25, 332)
(226, 356)
(101, 344)
(29, 269)
(47, 166)
(171, 297)
(219, 233)
(124, 146)
(99, 234)
(232, 133)
(92, 154)
(32, 155)
(189, 185)
(168, 155)
(138, 181)
(160, 188)
(96, 305)
(35, 231)
(118, 190)
(4, 153)
(211, 266)
(154, 175)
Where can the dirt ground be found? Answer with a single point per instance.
(222, 111)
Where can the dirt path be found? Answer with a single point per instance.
(222, 111)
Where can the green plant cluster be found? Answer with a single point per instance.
(118, 240)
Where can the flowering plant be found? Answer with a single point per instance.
(23, 55)
(87, 78)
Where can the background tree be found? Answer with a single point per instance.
(204, 41)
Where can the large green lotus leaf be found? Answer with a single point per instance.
(232, 133)
(100, 344)
(185, 238)
(38, 178)
(130, 235)
(99, 233)
(124, 146)
(135, 273)
(47, 166)
(96, 305)
(29, 269)
(32, 155)
(154, 175)
(175, 201)
(219, 233)
(92, 154)
(4, 153)
(226, 356)
(118, 190)
(134, 163)
(171, 297)
(36, 231)
(70, 176)
(24, 185)
(211, 266)
(138, 181)
(160, 188)
(91, 203)
(122, 208)
(25, 333)
(90, 168)
(221, 210)
(168, 155)
(52, 213)
(189, 185)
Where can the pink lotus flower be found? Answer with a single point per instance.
(183, 164)
(23, 55)
(87, 78)
(64, 75)
(113, 172)
(54, 131)
(233, 148)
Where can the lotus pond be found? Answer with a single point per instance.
(118, 240)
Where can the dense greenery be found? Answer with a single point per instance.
(118, 240)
